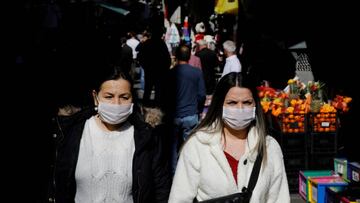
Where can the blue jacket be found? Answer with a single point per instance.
(188, 89)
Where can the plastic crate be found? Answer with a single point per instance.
(347, 200)
(321, 161)
(294, 144)
(332, 195)
(295, 161)
(317, 188)
(342, 194)
(340, 167)
(350, 195)
(323, 142)
(304, 183)
(354, 172)
(292, 178)
(293, 123)
(323, 122)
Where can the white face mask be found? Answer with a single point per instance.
(114, 113)
(238, 118)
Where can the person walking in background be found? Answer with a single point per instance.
(220, 154)
(209, 62)
(187, 96)
(126, 58)
(154, 57)
(111, 154)
(144, 37)
(132, 42)
(232, 63)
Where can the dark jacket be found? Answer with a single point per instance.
(151, 181)
(126, 58)
(209, 62)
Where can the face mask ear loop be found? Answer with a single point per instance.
(97, 99)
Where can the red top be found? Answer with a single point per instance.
(233, 164)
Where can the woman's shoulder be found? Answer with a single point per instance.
(204, 137)
(273, 147)
(80, 114)
(67, 122)
(201, 139)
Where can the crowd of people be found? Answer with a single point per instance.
(125, 148)
(68, 53)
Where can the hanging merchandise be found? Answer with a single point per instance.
(200, 31)
(174, 38)
(192, 36)
(303, 68)
(176, 16)
(227, 7)
(186, 32)
(167, 34)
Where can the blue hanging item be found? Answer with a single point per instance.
(186, 32)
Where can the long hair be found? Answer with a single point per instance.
(214, 114)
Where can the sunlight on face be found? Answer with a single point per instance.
(115, 92)
(239, 97)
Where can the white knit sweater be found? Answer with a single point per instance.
(204, 172)
(104, 168)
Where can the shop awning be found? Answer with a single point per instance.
(115, 9)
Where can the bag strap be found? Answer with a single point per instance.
(254, 173)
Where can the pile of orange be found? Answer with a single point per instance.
(293, 123)
(323, 122)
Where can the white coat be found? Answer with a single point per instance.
(204, 172)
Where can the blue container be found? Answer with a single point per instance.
(304, 181)
(318, 187)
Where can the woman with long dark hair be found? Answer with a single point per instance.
(218, 158)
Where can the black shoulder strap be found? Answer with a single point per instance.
(255, 173)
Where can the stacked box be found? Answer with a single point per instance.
(304, 180)
(342, 195)
(323, 140)
(317, 188)
(332, 194)
(323, 143)
(292, 178)
(294, 143)
(353, 172)
(350, 196)
(294, 163)
(321, 161)
(340, 167)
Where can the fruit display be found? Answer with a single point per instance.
(341, 103)
(323, 122)
(299, 103)
(293, 123)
